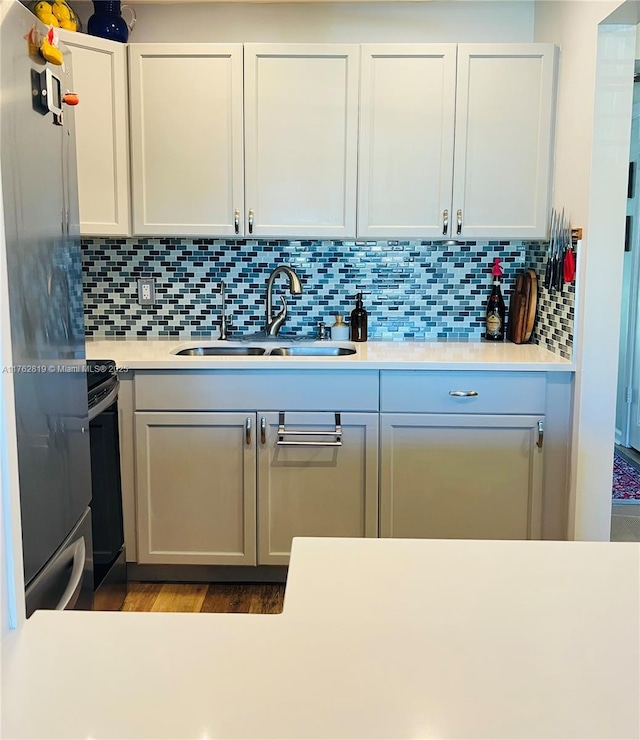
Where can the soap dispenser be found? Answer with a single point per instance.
(359, 321)
(339, 330)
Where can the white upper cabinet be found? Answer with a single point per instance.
(301, 129)
(493, 178)
(407, 116)
(186, 139)
(503, 140)
(330, 141)
(102, 141)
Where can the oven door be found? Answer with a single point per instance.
(106, 503)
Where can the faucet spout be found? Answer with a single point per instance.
(273, 324)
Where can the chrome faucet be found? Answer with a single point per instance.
(273, 325)
(223, 311)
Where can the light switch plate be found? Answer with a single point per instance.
(146, 291)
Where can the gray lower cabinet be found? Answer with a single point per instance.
(422, 454)
(200, 476)
(471, 476)
(310, 486)
(196, 488)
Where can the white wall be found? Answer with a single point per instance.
(592, 146)
(12, 612)
(574, 26)
(488, 20)
(12, 607)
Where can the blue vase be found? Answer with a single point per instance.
(107, 21)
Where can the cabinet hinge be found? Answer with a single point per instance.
(629, 395)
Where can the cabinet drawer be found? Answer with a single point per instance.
(491, 392)
(271, 390)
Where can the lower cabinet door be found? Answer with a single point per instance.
(196, 488)
(460, 476)
(315, 489)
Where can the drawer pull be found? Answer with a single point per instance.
(263, 430)
(540, 434)
(284, 432)
(463, 394)
(247, 430)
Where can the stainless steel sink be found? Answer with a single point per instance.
(315, 351)
(221, 351)
(267, 349)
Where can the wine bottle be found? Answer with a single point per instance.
(495, 316)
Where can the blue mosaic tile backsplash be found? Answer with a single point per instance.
(418, 289)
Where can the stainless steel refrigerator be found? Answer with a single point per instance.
(39, 190)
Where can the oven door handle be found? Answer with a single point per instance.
(105, 403)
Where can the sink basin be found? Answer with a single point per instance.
(221, 351)
(315, 351)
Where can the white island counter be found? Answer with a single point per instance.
(378, 639)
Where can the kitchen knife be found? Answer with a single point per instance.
(547, 272)
(570, 260)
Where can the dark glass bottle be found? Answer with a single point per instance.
(358, 323)
(494, 319)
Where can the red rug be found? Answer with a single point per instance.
(626, 480)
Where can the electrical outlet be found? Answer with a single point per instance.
(146, 291)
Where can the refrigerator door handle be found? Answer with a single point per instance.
(78, 552)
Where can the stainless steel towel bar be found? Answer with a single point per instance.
(284, 432)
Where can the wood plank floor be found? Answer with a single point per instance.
(230, 598)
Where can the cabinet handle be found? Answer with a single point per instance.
(283, 431)
(445, 222)
(236, 221)
(540, 434)
(459, 229)
(463, 394)
(263, 430)
(251, 220)
(247, 430)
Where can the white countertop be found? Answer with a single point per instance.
(373, 355)
(378, 639)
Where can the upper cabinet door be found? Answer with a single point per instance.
(503, 140)
(102, 140)
(405, 163)
(186, 139)
(301, 128)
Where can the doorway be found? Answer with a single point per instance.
(625, 513)
(628, 396)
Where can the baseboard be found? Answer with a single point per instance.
(208, 573)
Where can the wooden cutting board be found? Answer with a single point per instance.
(522, 308)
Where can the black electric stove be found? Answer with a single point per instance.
(109, 566)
